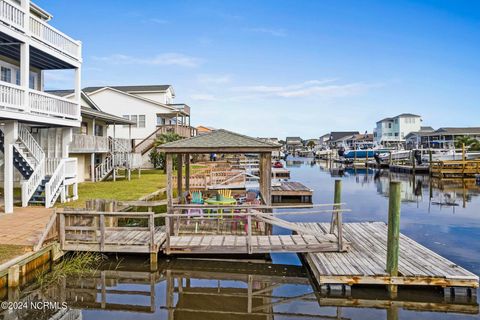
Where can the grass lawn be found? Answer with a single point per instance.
(122, 189)
(10, 251)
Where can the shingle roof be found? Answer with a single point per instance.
(219, 141)
(107, 117)
(140, 88)
(336, 135)
(457, 130)
(60, 93)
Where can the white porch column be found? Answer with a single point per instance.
(25, 5)
(67, 137)
(25, 73)
(92, 156)
(11, 135)
(78, 89)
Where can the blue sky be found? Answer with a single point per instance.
(278, 68)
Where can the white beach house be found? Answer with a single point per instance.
(149, 107)
(393, 130)
(36, 127)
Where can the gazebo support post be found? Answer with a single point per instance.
(179, 176)
(266, 177)
(168, 226)
(187, 172)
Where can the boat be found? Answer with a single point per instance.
(278, 164)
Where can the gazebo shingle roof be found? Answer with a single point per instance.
(221, 141)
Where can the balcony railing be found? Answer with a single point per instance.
(12, 97)
(12, 14)
(15, 16)
(83, 143)
(54, 106)
(181, 130)
(54, 38)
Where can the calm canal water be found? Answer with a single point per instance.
(443, 217)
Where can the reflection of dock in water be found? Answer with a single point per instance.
(201, 289)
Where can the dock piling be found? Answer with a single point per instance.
(337, 198)
(393, 232)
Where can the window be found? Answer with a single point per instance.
(6, 74)
(389, 125)
(141, 121)
(134, 118)
(32, 81)
(396, 134)
(17, 77)
(83, 129)
(98, 130)
(160, 121)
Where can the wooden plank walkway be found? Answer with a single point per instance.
(228, 244)
(364, 262)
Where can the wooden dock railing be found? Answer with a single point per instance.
(223, 220)
(108, 231)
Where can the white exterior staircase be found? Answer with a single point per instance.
(44, 179)
(120, 156)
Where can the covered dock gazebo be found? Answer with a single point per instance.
(219, 142)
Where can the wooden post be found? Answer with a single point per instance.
(13, 276)
(61, 232)
(102, 232)
(390, 158)
(249, 231)
(393, 241)
(187, 172)
(179, 176)
(337, 198)
(168, 227)
(463, 160)
(430, 160)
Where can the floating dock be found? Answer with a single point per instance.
(291, 192)
(364, 262)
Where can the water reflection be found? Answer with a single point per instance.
(196, 289)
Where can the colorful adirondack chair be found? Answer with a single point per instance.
(225, 193)
(197, 197)
(197, 213)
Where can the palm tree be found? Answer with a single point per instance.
(158, 158)
(469, 142)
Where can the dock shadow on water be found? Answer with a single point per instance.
(201, 289)
(443, 216)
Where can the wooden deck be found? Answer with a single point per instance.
(227, 244)
(364, 262)
(291, 192)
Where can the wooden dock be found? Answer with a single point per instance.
(364, 262)
(455, 169)
(227, 244)
(291, 192)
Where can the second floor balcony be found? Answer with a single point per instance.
(20, 16)
(13, 99)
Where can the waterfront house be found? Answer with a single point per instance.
(150, 107)
(37, 126)
(324, 140)
(444, 137)
(293, 144)
(341, 138)
(392, 131)
(97, 153)
(413, 140)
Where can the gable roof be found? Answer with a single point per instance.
(336, 135)
(93, 110)
(459, 130)
(134, 89)
(219, 141)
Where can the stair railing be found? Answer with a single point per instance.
(54, 184)
(29, 186)
(28, 141)
(104, 168)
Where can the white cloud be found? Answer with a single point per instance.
(214, 78)
(164, 59)
(269, 31)
(203, 97)
(319, 88)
